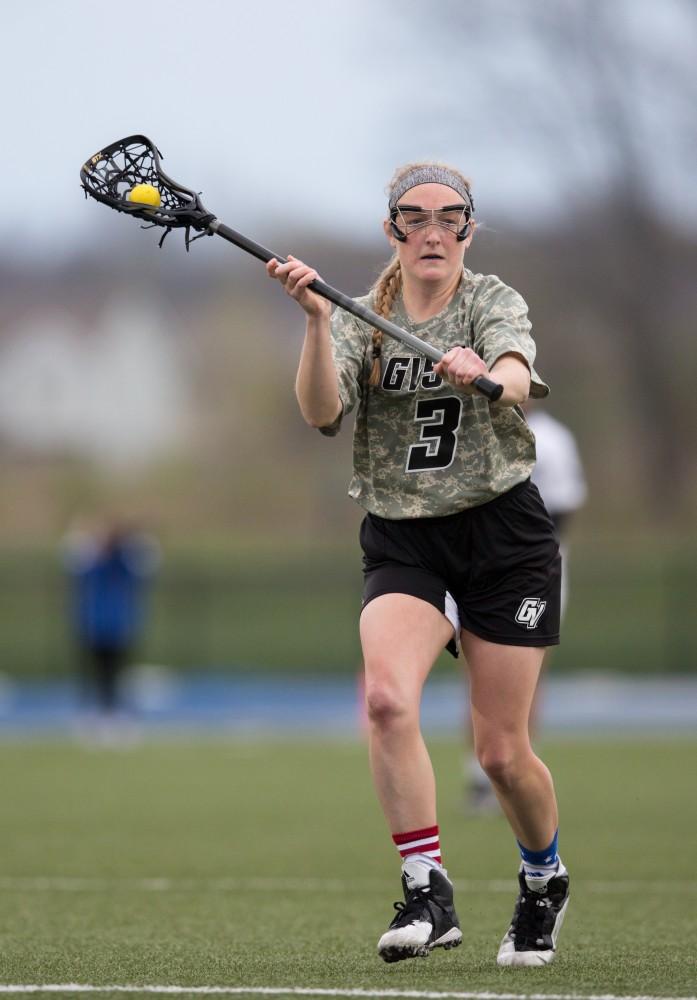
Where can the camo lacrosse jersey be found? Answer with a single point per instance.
(421, 447)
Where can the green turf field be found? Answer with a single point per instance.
(266, 864)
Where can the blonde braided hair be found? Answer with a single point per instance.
(385, 291)
(389, 281)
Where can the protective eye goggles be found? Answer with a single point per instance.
(405, 219)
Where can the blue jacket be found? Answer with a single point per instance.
(109, 595)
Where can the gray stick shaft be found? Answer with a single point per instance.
(492, 390)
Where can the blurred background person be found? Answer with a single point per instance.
(110, 569)
(559, 476)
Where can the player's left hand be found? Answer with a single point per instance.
(460, 366)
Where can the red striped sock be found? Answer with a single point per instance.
(426, 841)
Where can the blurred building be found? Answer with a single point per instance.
(110, 390)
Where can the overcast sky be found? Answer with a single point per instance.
(272, 109)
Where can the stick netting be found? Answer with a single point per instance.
(111, 174)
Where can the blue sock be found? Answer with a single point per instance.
(540, 864)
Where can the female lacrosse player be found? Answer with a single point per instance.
(458, 547)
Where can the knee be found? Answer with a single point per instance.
(503, 763)
(387, 706)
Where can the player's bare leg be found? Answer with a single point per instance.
(479, 796)
(401, 638)
(503, 680)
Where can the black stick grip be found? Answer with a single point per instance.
(492, 390)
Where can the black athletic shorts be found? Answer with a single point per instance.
(494, 570)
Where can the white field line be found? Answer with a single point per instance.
(51, 883)
(278, 991)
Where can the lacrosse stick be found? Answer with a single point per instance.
(110, 176)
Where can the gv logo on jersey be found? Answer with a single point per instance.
(530, 611)
(407, 374)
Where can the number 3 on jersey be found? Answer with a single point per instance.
(439, 420)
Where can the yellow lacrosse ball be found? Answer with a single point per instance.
(145, 194)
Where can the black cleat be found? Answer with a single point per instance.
(532, 937)
(424, 921)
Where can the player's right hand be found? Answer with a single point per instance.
(295, 277)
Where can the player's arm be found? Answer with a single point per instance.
(461, 365)
(316, 384)
(512, 371)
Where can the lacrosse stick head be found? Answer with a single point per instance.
(112, 173)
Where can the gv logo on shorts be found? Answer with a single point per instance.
(530, 611)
